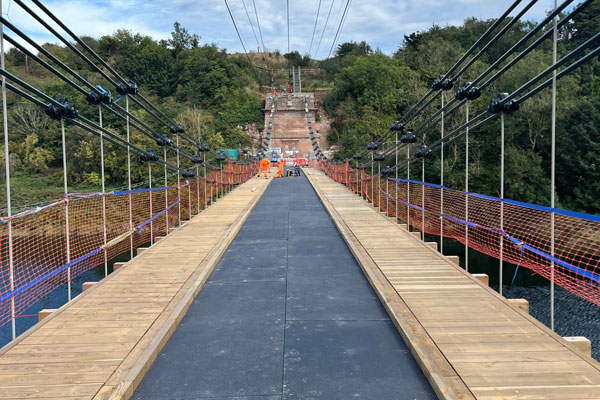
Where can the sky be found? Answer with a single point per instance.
(380, 23)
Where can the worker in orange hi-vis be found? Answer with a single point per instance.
(264, 164)
(279, 168)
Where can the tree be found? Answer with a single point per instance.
(586, 24)
(577, 148)
(151, 66)
(354, 48)
(297, 60)
(33, 157)
(181, 39)
(15, 57)
(200, 125)
(376, 81)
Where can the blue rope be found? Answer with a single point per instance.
(516, 271)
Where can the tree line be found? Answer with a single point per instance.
(371, 90)
(212, 93)
(216, 95)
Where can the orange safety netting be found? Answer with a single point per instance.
(519, 232)
(40, 237)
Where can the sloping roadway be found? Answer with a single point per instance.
(286, 314)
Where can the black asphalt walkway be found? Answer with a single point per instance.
(287, 314)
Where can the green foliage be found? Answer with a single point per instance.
(297, 60)
(585, 24)
(371, 90)
(212, 93)
(578, 171)
(182, 40)
(354, 48)
(34, 159)
(376, 81)
(365, 98)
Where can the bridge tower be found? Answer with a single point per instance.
(290, 128)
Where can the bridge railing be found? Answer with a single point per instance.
(518, 232)
(46, 247)
(41, 259)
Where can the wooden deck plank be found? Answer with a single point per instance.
(101, 343)
(487, 347)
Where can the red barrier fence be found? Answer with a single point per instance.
(40, 261)
(520, 232)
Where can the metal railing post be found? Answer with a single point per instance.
(217, 183)
(423, 197)
(357, 179)
(66, 191)
(197, 190)
(205, 177)
(379, 186)
(553, 167)
(178, 186)
(396, 182)
(8, 197)
(372, 179)
(467, 188)
(129, 179)
(408, 187)
(102, 178)
(501, 202)
(166, 194)
(151, 211)
(387, 193)
(442, 182)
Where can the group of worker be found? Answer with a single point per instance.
(265, 165)
(290, 89)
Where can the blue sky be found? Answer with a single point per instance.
(381, 23)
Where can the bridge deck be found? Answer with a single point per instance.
(100, 344)
(470, 341)
(287, 313)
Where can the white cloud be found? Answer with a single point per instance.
(381, 23)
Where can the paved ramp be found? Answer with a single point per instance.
(286, 314)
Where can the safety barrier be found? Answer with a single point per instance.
(518, 232)
(54, 244)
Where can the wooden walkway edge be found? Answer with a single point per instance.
(470, 342)
(101, 344)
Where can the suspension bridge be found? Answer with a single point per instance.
(322, 285)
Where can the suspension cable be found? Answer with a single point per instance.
(450, 107)
(86, 124)
(335, 38)
(251, 24)
(238, 32)
(501, 33)
(486, 116)
(315, 28)
(98, 58)
(259, 29)
(65, 41)
(70, 46)
(324, 28)
(144, 131)
(419, 106)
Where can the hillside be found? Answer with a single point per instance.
(371, 90)
(216, 94)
